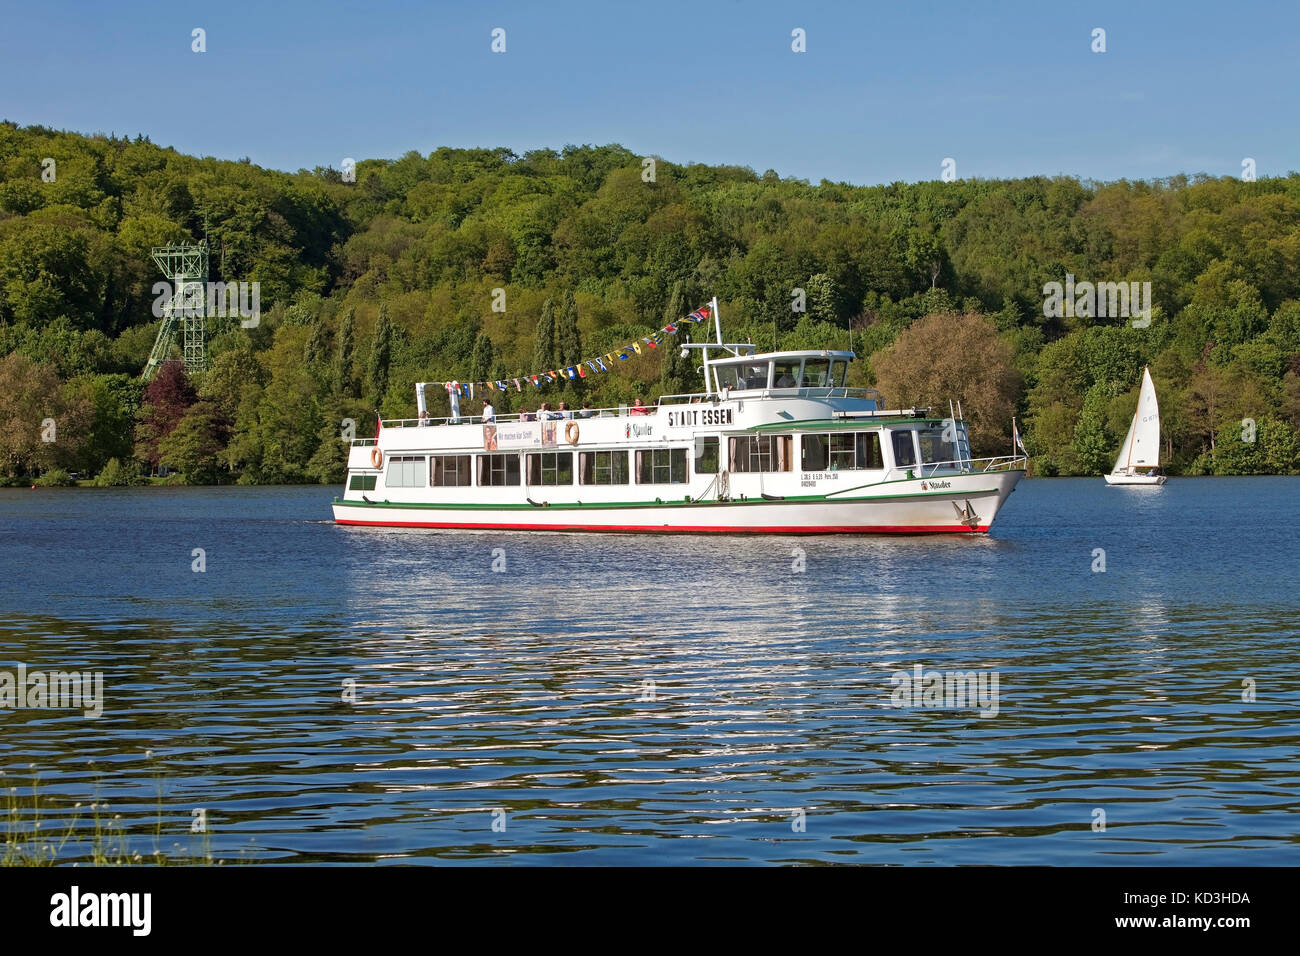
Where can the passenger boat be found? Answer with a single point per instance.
(777, 444)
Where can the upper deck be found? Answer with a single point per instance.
(748, 391)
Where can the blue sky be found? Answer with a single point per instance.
(884, 92)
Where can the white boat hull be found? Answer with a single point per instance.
(968, 506)
(1135, 479)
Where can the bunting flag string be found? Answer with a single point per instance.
(601, 363)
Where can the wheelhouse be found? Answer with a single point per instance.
(822, 373)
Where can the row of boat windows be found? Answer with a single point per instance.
(657, 466)
(809, 373)
(842, 451)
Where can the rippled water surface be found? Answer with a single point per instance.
(620, 699)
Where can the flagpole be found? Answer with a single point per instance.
(717, 319)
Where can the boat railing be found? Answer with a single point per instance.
(626, 411)
(691, 398)
(578, 414)
(967, 465)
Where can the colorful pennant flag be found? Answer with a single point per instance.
(602, 363)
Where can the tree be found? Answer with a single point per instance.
(288, 417)
(233, 378)
(194, 446)
(315, 348)
(116, 474)
(568, 342)
(328, 464)
(36, 430)
(113, 401)
(1092, 443)
(958, 358)
(544, 350)
(381, 356)
(677, 375)
(821, 298)
(483, 359)
(166, 400)
(344, 377)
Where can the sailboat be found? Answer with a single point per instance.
(1139, 457)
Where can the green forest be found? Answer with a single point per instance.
(481, 264)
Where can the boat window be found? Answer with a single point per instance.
(449, 471)
(405, 471)
(815, 372)
(756, 374)
(498, 469)
(661, 466)
(602, 468)
(904, 454)
(855, 451)
(868, 447)
(727, 375)
(935, 448)
(550, 468)
(785, 374)
(706, 455)
(362, 483)
(839, 369)
(812, 454)
(761, 453)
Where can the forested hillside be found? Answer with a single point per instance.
(372, 285)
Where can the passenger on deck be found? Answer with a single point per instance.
(587, 411)
(564, 410)
(424, 417)
(526, 416)
(544, 413)
(489, 413)
(638, 408)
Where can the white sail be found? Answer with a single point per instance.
(1141, 448)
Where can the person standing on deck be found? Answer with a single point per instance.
(489, 413)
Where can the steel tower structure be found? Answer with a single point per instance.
(186, 265)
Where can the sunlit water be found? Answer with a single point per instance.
(622, 699)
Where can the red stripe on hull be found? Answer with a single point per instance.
(679, 529)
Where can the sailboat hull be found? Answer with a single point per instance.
(1123, 479)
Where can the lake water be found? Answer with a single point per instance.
(630, 700)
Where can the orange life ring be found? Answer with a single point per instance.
(376, 456)
(571, 433)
